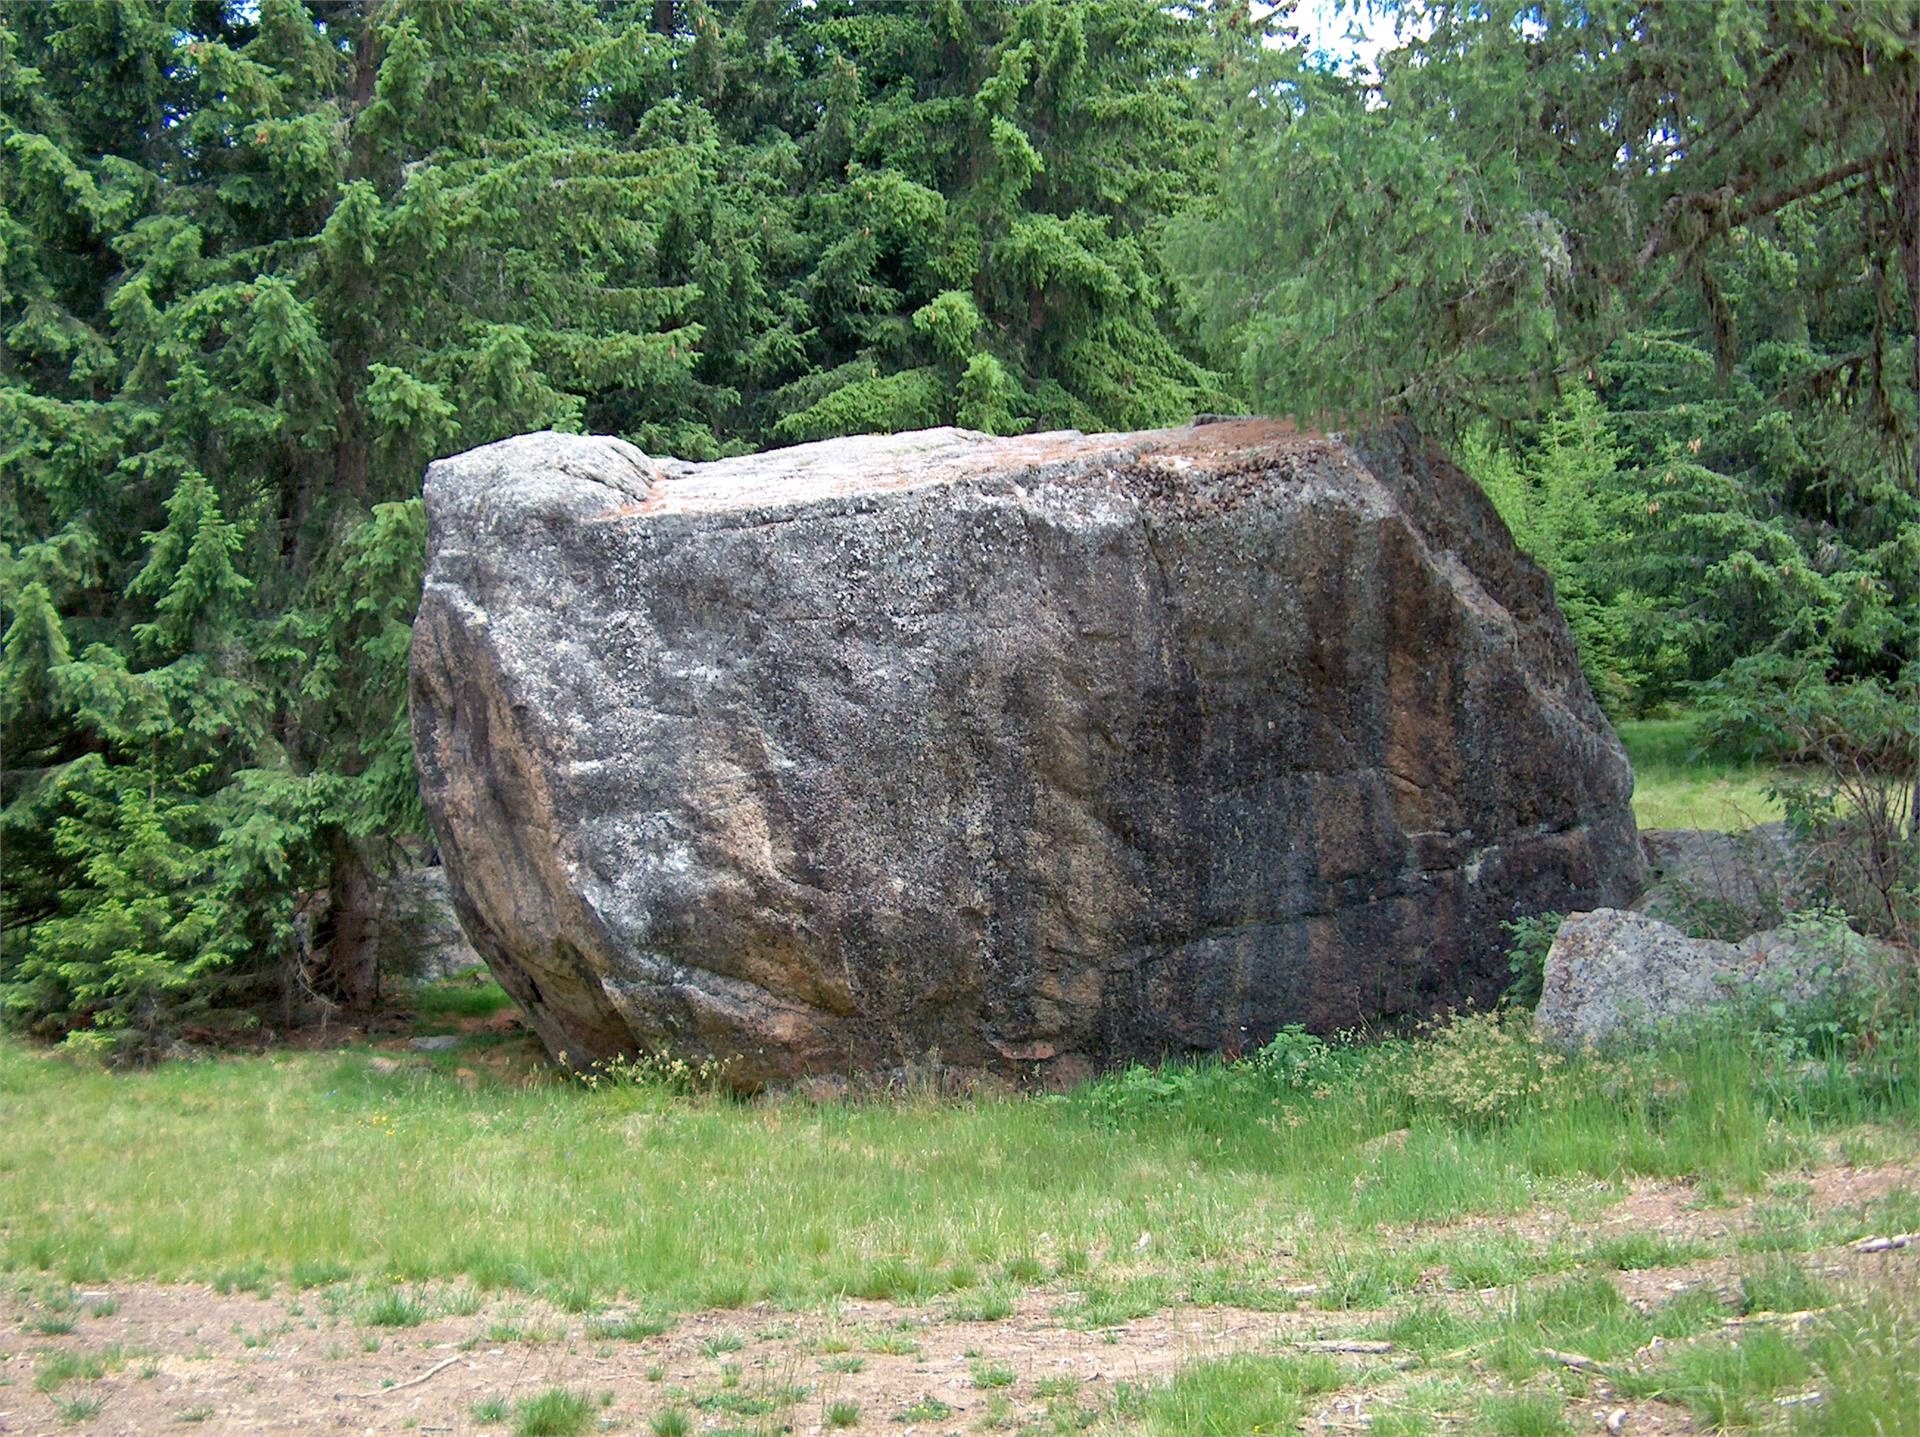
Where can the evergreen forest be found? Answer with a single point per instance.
(1649, 269)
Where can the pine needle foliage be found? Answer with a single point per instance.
(1653, 268)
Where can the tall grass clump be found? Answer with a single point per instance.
(556, 1412)
(1229, 1396)
(1866, 1361)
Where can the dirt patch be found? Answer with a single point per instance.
(1674, 1212)
(160, 1357)
(1856, 1186)
(186, 1355)
(243, 1363)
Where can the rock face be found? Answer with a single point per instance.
(1025, 754)
(1721, 885)
(420, 935)
(1612, 975)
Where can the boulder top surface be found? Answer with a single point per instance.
(856, 465)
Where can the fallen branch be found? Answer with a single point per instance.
(1569, 1359)
(1766, 1319)
(432, 1371)
(1885, 1244)
(1335, 1344)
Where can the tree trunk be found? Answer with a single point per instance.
(350, 973)
(1910, 239)
(663, 18)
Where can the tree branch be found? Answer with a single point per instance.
(1661, 241)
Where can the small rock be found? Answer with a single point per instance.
(438, 1043)
(1612, 973)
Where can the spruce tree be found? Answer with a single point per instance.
(258, 267)
(1706, 217)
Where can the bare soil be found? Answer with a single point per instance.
(184, 1357)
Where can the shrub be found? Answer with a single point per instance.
(1295, 1058)
(1481, 1069)
(1853, 794)
(1532, 936)
(1137, 1090)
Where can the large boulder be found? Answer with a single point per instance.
(1022, 754)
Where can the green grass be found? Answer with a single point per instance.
(1525, 1414)
(312, 1166)
(1782, 1286)
(1855, 1369)
(438, 1006)
(992, 1374)
(1634, 1251)
(1231, 1396)
(628, 1328)
(79, 1409)
(671, 1422)
(1867, 1363)
(992, 1303)
(556, 1412)
(386, 1199)
(56, 1369)
(393, 1308)
(1726, 1383)
(1675, 789)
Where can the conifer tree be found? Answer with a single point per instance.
(259, 265)
(1706, 218)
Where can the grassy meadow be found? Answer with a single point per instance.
(1446, 1199)
(1441, 1232)
(1676, 787)
(311, 1167)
